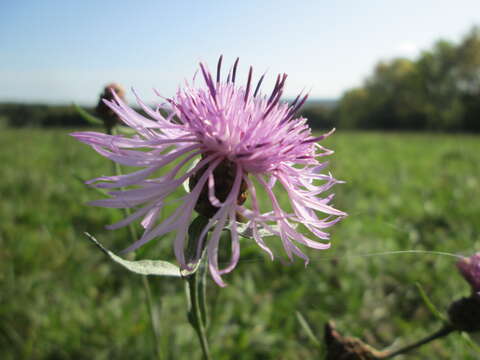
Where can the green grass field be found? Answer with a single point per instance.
(61, 298)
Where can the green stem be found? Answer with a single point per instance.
(153, 318)
(440, 333)
(196, 314)
(202, 292)
(146, 286)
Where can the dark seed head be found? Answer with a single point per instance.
(464, 314)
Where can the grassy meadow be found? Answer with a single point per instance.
(61, 298)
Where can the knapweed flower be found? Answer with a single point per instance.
(227, 141)
(469, 267)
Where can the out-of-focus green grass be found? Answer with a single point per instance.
(61, 298)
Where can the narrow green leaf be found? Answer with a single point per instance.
(82, 181)
(143, 267)
(433, 309)
(308, 330)
(194, 231)
(472, 340)
(86, 116)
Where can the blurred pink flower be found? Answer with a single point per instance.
(469, 267)
(237, 135)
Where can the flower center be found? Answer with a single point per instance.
(224, 176)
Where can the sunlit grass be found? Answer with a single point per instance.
(61, 298)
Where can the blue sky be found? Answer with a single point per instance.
(66, 51)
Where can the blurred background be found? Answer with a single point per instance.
(400, 82)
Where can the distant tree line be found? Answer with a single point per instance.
(19, 115)
(320, 116)
(439, 91)
(39, 115)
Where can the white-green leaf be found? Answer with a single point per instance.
(143, 267)
(246, 231)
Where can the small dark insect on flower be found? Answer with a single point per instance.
(242, 140)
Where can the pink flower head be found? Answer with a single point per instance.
(469, 267)
(229, 134)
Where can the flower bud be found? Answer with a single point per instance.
(469, 267)
(109, 117)
(464, 314)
